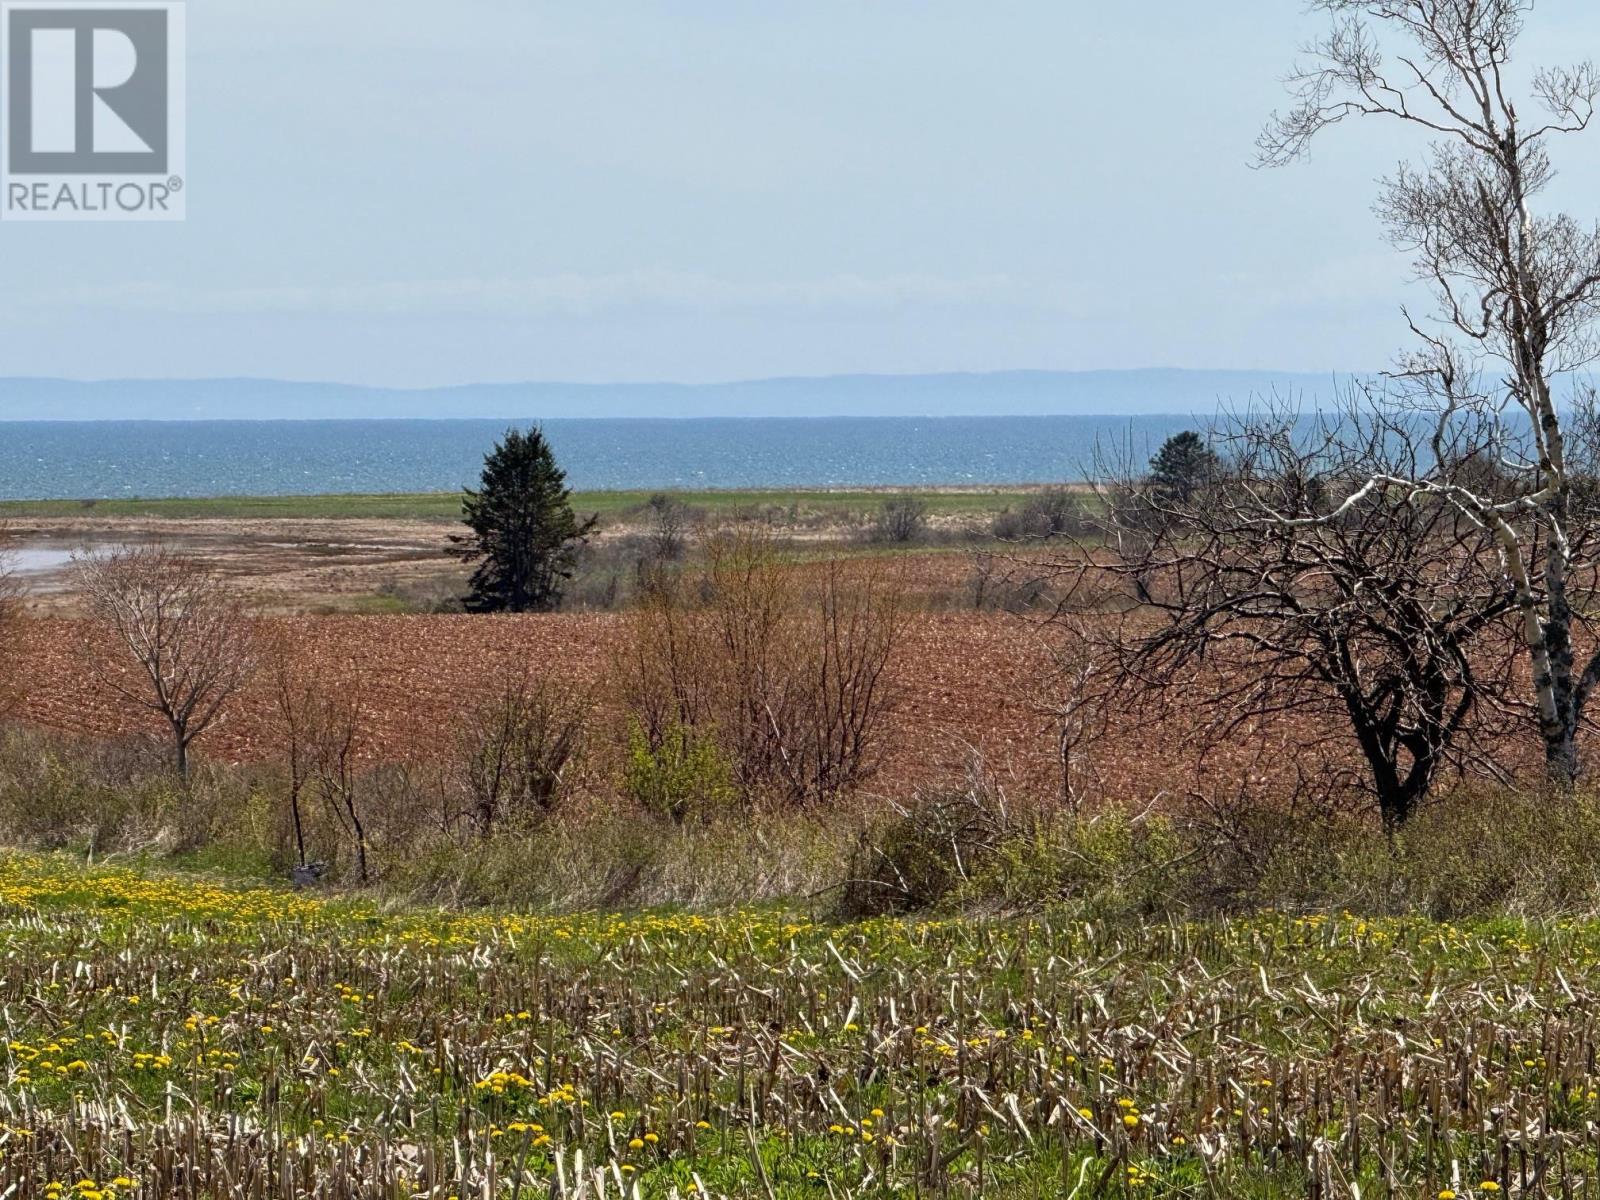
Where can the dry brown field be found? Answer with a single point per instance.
(968, 683)
(965, 684)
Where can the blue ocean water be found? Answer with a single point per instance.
(49, 460)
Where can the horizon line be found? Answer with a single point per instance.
(97, 381)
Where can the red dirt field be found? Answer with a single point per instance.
(963, 680)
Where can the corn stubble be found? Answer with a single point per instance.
(170, 1038)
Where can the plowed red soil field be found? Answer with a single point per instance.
(964, 682)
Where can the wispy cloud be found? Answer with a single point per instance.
(569, 295)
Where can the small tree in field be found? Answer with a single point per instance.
(319, 724)
(1182, 466)
(172, 638)
(670, 522)
(294, 699)
(525, 537)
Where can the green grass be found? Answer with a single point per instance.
(446, 506)
(382, 1052)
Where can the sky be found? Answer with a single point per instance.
(423, 193)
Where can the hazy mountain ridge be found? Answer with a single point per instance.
(1005, 393)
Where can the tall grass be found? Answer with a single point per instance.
(960, 848)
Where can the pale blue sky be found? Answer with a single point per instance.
(425, 193)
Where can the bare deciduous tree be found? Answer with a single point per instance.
(171, 638)
(335, 722)
(845, 692)
(1377, 631)
(1073, 698)
(1517, 293)
(320, 727)
(298, 709)
(670, 524)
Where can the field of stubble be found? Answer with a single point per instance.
(165, 1037)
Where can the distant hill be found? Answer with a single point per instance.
(1005, 393)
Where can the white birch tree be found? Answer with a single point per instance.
(1516, 290)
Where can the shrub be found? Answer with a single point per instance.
(1045, 514)
(1483, 850)
(916, 856)
(1475, 852)
(1244, 852)
(965, 848)
(1114, 864)
(516, 750)
(680, 774)
(1009, 525)
(434, 592)
(786, 672)
(669, 524)
(999, 584)
(105, 797)
(900, 519)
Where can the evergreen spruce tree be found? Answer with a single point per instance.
(1182, 466)
(525, 537)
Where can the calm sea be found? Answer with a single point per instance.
(111, 459)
